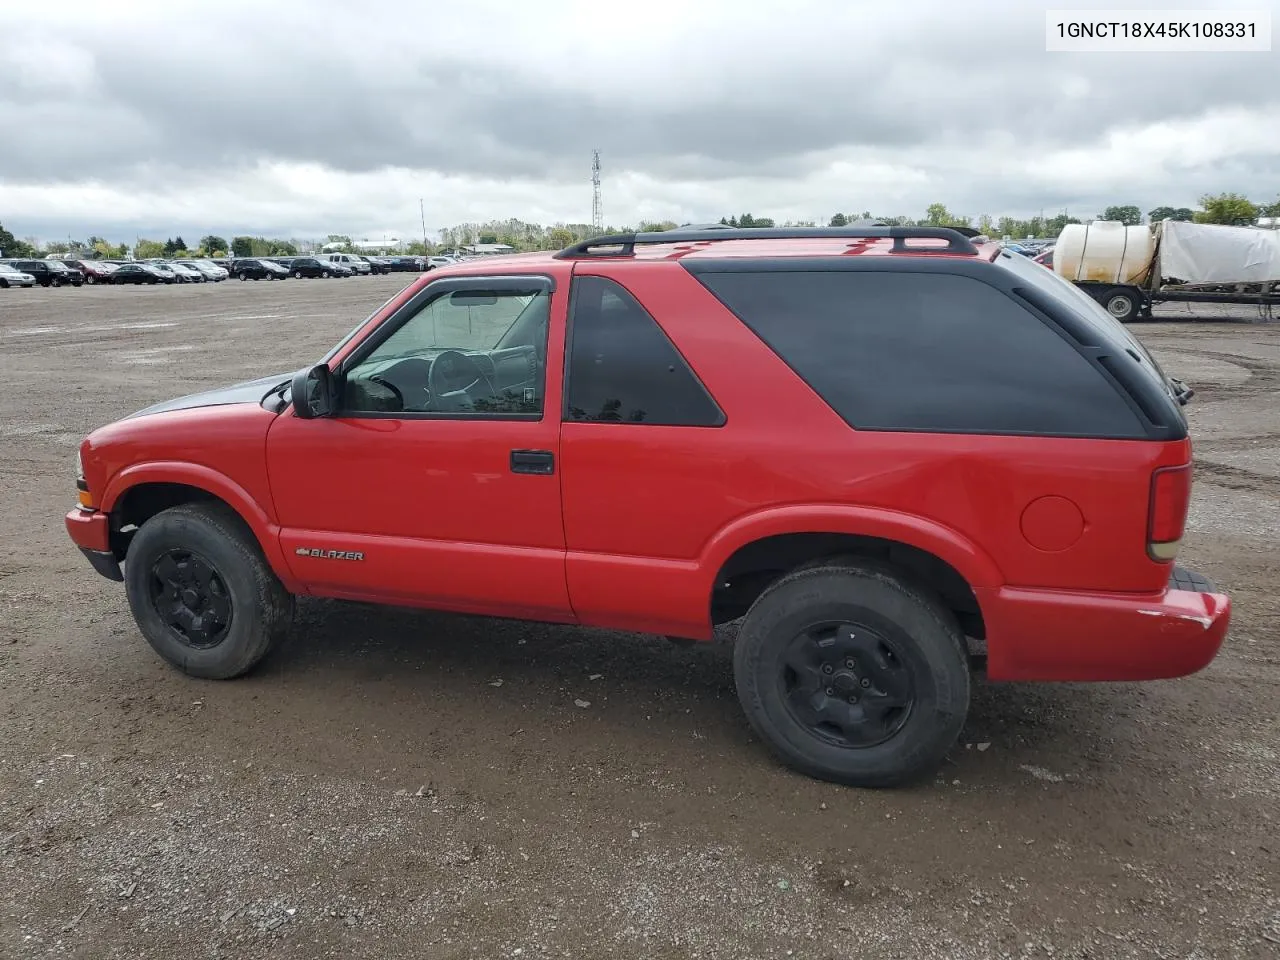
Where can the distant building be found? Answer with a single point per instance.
(487, 249)
(369, 246)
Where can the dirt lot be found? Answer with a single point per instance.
(372, 791)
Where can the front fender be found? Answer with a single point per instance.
(969, 560)
(261, 523)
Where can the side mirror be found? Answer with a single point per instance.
(313, 394)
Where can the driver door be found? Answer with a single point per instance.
(436, 481)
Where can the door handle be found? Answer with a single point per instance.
(533, 461)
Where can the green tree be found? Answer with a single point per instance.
(212, 245)
(1129, 215)
(148, 249)
(11, 246)
(57, 247)
(1227, 208)
(1054, 225)
(656, 226)
(171, 247)
(560, 237)
(839, 220)
(242, 246)
(1170, 213)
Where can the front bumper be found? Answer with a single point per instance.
(91, 532)
(1058, 635)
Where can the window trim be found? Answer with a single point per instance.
(570, 330)
(543, 283)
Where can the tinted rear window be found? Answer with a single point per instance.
(928, 352)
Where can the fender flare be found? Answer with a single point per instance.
(263, 526)
(969, 560)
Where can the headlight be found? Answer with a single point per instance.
(79, 466)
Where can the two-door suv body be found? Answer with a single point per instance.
(893, 453)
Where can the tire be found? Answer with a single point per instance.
(258, 610)
(297, 274)
(1121, 304)
(91, 279)
(328, 274)
(4, 284)
(244, 276)
(898, 652)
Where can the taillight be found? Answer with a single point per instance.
(1170, 500)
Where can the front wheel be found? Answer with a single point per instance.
(201, 591)
(91, 279)
(853, 675)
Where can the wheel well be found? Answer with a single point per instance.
(140, 503)
(751, 569)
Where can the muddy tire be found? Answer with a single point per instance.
(852, 674)
(201, 591)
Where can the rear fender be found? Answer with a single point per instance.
(969, 560)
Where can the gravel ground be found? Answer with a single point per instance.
(374, 791)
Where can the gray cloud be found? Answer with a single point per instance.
(163, 99)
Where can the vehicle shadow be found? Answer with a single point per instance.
(479, 673)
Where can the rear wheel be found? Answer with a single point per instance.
(1121, 304)
(202, 593)
(244, 276)
(853, 675)
(91, 279)
(297, 274)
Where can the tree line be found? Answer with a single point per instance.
(1225, 208)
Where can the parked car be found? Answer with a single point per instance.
(208, 268)
(185, 273)
(356, 264)
(944, 457)
(12, 277)
(313, 267)
(50, 273)
(136, 273)
(405, 264)
(257, 268)
(93, 271)
(1045, 259)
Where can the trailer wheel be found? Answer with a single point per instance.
(1121, 304)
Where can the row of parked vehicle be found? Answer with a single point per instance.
(58, 271)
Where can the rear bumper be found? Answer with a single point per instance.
(1056, 635)
(91, 533)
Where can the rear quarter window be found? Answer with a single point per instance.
(926, 352)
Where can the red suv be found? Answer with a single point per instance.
(893, 453)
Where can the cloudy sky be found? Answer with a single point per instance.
(307, 118)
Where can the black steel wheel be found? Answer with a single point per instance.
(191, 598)
(851, 673)
(847, 684)
(202, 593)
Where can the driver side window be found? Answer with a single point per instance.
(463, 352)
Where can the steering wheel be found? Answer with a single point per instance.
(453, 372)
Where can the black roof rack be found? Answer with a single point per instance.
(626, 243)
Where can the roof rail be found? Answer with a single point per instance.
(626, 242)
